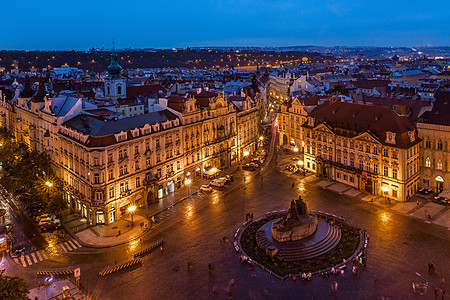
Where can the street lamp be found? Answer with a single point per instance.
(246, 153)
(188, 182)
(295, 149)
(131, 210)
(49, 185)
(385, 190)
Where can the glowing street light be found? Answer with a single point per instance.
(48, 183)
(300, 162)
(295, 149)
(131, 210)
(260, 138)
(385, 190)
(246, 153)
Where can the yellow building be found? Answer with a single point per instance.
(434, 129)
(370, 148)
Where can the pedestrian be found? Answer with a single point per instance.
(418, 203)
(430, 267)
(436, 293)
(442, 294)
(334, 287)
(209, 266)
(161, 248)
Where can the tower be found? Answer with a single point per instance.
(115, 84)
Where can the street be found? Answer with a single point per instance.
(193, 232)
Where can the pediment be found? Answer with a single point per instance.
(367, 137)
(323, 128)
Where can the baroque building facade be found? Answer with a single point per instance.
(434, 129)
(370, 148)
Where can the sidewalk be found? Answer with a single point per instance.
(427, 210)
(54, 291)
(108, 235)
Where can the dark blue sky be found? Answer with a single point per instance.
(82, 24)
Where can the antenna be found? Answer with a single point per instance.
(113, 45)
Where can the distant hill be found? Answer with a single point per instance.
(130, 59)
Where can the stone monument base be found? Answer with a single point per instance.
(299, 231)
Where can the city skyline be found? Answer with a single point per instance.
(139, 24)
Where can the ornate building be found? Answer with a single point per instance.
(368, 147)
(108, 164)
(434, 129)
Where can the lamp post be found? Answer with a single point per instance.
(188, 182)
(385, 192)
(131, 210)
(49, 185)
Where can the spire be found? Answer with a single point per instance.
(114, 68)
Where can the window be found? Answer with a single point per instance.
(394, 193)
(158, 158)
(361, 147)
(352, 162)
(110, 174)
(394, 154)
(394, 173)
(147, 146)
(111, 192)
(136, 149)
(368, 148)
(96, 178)
(136, 164)
(375, 168)
(351, 179)
(375, 150)
(345, 177)
(138, 182)
(439, 145)
(338, 175)
(427, 143)
(439, 164)
(98, 196)
(428, 162)
(361, 165)
(148, 162)
(385, 171)
(110, 157)
(386, 152)
(96, 161)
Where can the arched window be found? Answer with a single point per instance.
(439, 164)
(427, 143)
(108, 90)
(119, 90)
(439, 145)
(428, 162)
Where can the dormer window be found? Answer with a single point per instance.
(390, 137)
(411, 136)
(311, 122)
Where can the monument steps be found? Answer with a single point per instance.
(323, 246)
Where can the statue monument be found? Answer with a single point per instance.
(297, 224)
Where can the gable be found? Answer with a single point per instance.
(367, 137)
(323, 128)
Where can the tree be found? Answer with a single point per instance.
(13, 288)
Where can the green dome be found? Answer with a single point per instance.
(114, 68)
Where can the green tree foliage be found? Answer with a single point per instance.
(13, 288)
(26, 171)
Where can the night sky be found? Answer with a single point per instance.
(82, 24)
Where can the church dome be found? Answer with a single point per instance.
(114, 68)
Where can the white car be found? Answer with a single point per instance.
(206, 188)
(49, 220)
(218, 182)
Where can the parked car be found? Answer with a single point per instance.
(34, 206)
(49, 220)
(50, 226)
(218, 182)
(45, 216)
(206, 188)
(229, 178)
(18, 249)
(34, 213)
